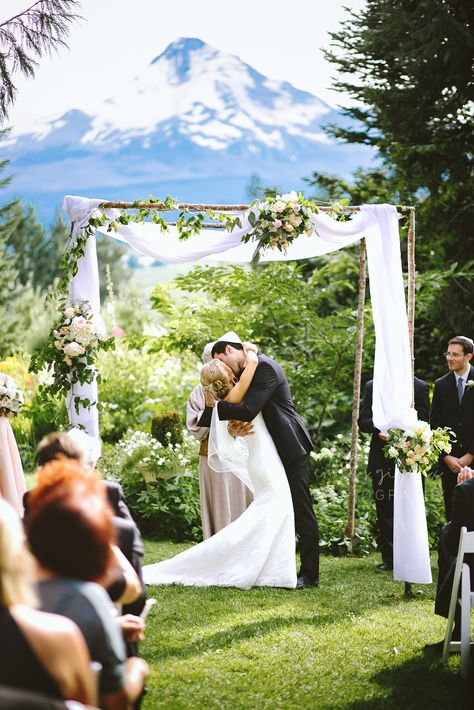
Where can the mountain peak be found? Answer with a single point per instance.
(178, 53)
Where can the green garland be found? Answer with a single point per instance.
(268, 230)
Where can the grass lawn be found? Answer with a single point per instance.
(355, 642)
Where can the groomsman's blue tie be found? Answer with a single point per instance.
(460, 388)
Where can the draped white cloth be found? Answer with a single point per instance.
(392, 389)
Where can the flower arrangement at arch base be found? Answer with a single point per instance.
(418, 447)
(71, 352)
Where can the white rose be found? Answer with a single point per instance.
(392, 452)
(278, 206)
(69, 312)
(73, 349)
(295, 220)
(79, 323)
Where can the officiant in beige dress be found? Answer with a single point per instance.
(223, 496)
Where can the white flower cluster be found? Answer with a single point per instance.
(278, 221)
(417, 448)
(11, 396)
(154, 455)
(76, 333)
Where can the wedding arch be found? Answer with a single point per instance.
(375, 227)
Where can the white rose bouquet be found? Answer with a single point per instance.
(11, 396)
(71, 352)
(279, 220)
(417, 448)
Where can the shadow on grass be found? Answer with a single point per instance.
(421, 682)
(236, 634)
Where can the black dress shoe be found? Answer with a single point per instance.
(302, 582)
(384, 567)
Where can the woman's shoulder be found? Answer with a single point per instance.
(50, 627)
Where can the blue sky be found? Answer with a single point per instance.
(117, 38)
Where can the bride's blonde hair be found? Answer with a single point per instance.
(218, 378)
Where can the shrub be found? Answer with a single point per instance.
(167, 427)
(160, 483)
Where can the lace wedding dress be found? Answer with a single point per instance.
(257, 549)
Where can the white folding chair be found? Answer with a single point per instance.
(462, 575)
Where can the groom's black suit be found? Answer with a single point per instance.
(269, 393)
(447, 411)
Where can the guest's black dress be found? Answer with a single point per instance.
(19, 665)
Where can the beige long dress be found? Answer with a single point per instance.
(12, 482)
(223, 496)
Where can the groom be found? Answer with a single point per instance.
(269, 393)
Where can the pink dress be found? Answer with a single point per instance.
(12, 482)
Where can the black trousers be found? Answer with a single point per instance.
(383, 481)
(306, 524)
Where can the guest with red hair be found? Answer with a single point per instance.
(70, 531)
(39, 652)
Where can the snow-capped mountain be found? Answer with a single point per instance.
(196, 123)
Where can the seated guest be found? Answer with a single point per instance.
(80, 447)
(39, 652)
(71, 566)
(462, 515)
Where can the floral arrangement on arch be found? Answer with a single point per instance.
(277, 221)
(11, 396)
(71, 352)
(418, 447)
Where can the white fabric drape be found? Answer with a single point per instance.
(392, 389)
(411, 560)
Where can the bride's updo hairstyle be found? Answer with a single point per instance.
(218, 378)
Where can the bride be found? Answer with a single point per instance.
(257, 549)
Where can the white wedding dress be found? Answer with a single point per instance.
(257, 549)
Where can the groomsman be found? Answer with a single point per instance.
(382, 469)
(453, 407)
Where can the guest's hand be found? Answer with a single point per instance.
(384, 437)
(452, 463)
(132, 627)
(465, 473)
(236, 428)
(466, 460)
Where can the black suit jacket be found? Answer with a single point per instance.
(377, 460)
(462, 514)
(269, 393)
(447, 411)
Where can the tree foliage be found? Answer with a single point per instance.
(409, 63)
(305, 318)
(40, 29)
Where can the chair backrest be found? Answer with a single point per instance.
(466, 542)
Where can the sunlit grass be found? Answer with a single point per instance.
(355, 642)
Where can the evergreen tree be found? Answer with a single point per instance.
(408, 65)
(40, 29)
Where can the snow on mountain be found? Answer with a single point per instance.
(194, 112)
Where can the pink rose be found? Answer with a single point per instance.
(277, 223)
(69, 312)
(296, 207)
(117, 332)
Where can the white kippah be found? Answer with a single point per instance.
(230, 337)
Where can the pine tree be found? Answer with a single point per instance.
(40, 29)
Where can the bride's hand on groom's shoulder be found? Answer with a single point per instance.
(236, 428)
(250, 347)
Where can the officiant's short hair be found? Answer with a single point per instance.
(466, 343)
(220, 346)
